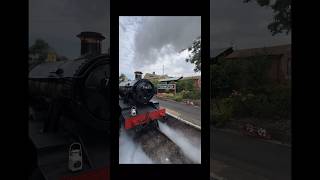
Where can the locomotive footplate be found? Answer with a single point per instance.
(52, 154)
(145, 114)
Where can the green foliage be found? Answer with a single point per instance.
(220, 116)
(195, 94)
(187, 90)
(282, 15)
(155, 82)
(273, 103)
(195, 57)
(122, 77)
(41, 48)
(247, 74)
(187, 85)
(242, 89)
(178, 97)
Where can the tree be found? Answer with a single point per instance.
(122, 77)
(187, 85)
(195, 56)
(282, 15)
(41, 49)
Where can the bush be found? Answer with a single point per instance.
(177, 97)
(196, 94)
(280, 98)
(220, 116)
(185, 85)
(246, 73)
(275, 103)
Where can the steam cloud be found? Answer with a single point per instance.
(130, 152)
(156, 44)
(189, 149)
(156, 33)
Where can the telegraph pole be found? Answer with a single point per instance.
(162, 69)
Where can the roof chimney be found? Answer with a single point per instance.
(138, 75)
(90, 42)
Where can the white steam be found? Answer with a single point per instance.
(130, 152)
(188, 148)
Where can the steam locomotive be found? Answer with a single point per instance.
(76, 87)
(138, 110)
(69, 105)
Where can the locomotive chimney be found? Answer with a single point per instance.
(90, 42)
(138, 75)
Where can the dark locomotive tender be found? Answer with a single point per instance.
(73, 97)
(137, 109)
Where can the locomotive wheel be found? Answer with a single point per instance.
(156, 124)
(152, 125)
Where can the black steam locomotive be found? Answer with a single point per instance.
(138, 110)
(76, 87)
(69, 105)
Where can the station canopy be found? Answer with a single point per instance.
(171, 79)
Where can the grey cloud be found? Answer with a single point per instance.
(59, 21)
(158, 32)
(243, 25)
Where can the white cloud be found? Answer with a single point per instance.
(172, 62)
(151, 57)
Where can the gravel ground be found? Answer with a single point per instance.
(159, 148)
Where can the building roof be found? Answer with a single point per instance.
(171, 79)
(214, 53)
(155, 76)
(273, 50)
(191, 77)
(88, 34)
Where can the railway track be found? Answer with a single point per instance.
(159, 148)
(170, 143)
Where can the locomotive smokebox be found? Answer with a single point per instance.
(90, 42)
(139, 91)
(138, 75)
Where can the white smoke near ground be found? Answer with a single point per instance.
(130, 152)
(190, 150)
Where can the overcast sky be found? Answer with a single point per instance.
(59, 21)
(148, 44)
(242, 24)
